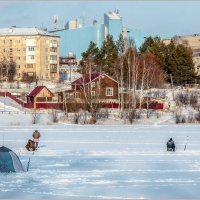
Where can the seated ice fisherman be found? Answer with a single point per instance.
(171, 145)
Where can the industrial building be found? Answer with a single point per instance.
(75, 37)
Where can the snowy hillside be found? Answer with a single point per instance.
(7, 104)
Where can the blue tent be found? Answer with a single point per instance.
(9, 161)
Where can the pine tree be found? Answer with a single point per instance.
(109, 55)
(155, 46)
(90, 55)
(179, 63)
(174, 59)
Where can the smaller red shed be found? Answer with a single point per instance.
(40, 94)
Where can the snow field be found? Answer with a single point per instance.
(105, 161)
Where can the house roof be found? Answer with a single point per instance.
(37, 90)
(86, 79)
(15, 31)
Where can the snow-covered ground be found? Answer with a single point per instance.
(106, 161)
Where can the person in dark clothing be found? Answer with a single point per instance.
(171, 145)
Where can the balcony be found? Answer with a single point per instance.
(54, 69)
(53, 53)
(53, 45)
(53, 61)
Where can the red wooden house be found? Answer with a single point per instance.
(97, 87)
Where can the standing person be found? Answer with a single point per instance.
(36, 136)
(171, 145)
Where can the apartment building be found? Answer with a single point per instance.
(35, 51)
(193, 42)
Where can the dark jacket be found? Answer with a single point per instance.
(170, 144)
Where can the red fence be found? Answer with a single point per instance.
(44, 105)
(71, 106)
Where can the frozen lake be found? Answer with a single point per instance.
(104, 162)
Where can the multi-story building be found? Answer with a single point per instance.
(75, 37)
(68, 68)
(193, 42)
(35, 52)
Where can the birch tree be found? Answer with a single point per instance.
(91, 90)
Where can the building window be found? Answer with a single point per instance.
(53, 57)
(77, 95)
(18, 49)
(92, 93)
(29, 65)
(31, 48)
(31, 57)
(109, 91)
(18, 41)
(18, 58)
(93, 84)
(53, 67)
(53, 49)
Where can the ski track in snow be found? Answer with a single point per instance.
(105, 162)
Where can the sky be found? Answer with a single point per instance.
(161, 17)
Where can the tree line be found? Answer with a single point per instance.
(168, 61)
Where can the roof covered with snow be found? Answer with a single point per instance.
(113, 15)
(15, 31)
(86, 79)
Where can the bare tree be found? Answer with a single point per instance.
(7, 69)
(131, 62)
(54, 115)
(91, 90)
(151, 76)
(35, 117)
(65, 108)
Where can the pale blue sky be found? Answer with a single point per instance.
(161, 17)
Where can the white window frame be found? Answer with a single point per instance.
(109, 91)
(77, 95)
(93, 93)
(92, 84)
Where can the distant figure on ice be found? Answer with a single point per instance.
(36, 136)
(171, 145)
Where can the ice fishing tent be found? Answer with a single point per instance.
(9, 161)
